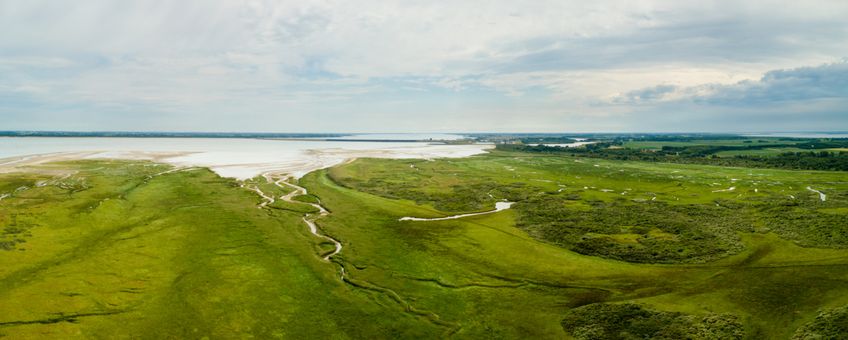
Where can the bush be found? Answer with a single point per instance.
(632, 321)
(652, 232)
(829, 324)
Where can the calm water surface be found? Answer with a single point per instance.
(240, 158)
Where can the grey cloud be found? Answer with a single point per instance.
(647, 94)
(828, 81)
(738, 39)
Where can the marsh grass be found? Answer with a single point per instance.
(119, 251)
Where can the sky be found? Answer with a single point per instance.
(424, 66)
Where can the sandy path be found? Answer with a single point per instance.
(725, 190)
(822, 196)
(498, 207)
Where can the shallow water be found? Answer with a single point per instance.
(567, 145)
(403, 136)
(238, 158)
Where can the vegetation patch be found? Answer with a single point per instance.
(297, 208)
(632, 321)
(308, 198)
(828, 324)
(627, 211)
(650, 232)
(807, 154)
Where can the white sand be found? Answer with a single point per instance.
(725, 190)
(822, 196)
(567, 145)
(498, 207)
(235, 158)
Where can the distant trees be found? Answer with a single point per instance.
(706, 154)
(632, 321)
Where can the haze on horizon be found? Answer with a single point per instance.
(435, 66)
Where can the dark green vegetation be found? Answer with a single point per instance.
(829, 324)
(593, 248)
(651, 232)
(776, 153)
(630, 321)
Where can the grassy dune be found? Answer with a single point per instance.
(114, 249)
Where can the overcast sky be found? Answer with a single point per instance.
(424, 66)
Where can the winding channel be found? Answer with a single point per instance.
(313, 228)
(308, 218)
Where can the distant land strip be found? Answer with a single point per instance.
(129, 134)
(312, 137)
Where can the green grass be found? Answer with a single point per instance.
(189, 255)
(182, 255)
(569, 201)
(307, 199)
(771, 284)
(296, 208)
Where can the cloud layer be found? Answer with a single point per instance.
(423, 66)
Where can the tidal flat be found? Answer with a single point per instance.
(240, 158)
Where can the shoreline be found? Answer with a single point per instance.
(250, 162)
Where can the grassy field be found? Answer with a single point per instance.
(591, 249)
(115, 251)
(765, 278)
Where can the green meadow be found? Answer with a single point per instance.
(590, 249)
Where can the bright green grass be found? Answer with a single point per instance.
(189, 255)
(182, 255)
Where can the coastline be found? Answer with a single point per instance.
(240, 159)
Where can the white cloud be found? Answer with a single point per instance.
(283, 58)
